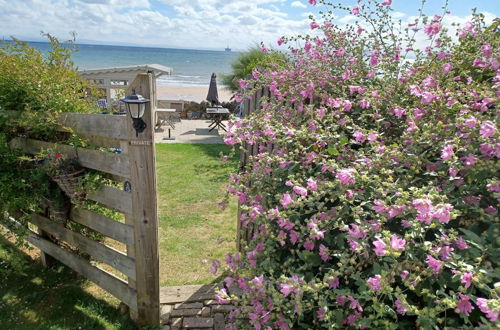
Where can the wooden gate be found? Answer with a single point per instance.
(135, 165)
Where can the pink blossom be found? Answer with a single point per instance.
(321, 314)
(447, 152)
(493, 187)
(347, 105)
(483, 303)
(356, 232)
(294, 236)
(469, 160)
(286, 200)
(399, 112)
(359, 136)
(468, 26)
(434, 264)
(312, 184)
(364, 104)
(487, 129)
(466, 279)
(314, 25)
(404, 274)
(286, 289)
(312, 2)
(323, 253)
(300, 190)
(400, 308)
(354, 305)
(463, 305)
(355, 11)
(397, 243)
(447, 67)
(387, 3)
(280, 41)
(255, 74)
(445, 252)
(379, 247)
(333, 284)
(471, 122)
(309, 245)
(428, 97)
(374, 282)
(346, 176)
(222, 297)
(379, 206)
(432, 29)
(442, 214)
(372, 137)
(487, 49)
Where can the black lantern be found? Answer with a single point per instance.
(136, 106)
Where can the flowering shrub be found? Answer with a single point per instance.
(373, 195)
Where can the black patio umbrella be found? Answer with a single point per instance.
(213, 96)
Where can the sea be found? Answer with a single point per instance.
(190, 67)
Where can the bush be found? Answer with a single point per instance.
(373, 196)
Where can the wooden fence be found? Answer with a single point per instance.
(136, 165)
(250, 106)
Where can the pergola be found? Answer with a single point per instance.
(119, 78)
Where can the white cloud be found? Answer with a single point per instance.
(298, 4)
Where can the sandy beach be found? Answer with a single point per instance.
(189, 93)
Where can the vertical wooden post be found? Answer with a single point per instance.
(141, 152)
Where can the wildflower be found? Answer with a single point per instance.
(333, 284)
(387, 3)
(314, 25)
(356, 232)
(286, 200)
(404, 274)
(374, 282)
(312, 2)
(447, 152)
(487, 129)
(346, 176)
(434, 264)
(466, 279)
(447, 67)
(355, 11)
(400, 308)
(463, 305)
(397, 243)
(300, 191)
(321, 314)
(379, 247)
(443, 213)
(359, 136)
(286, 289)
(482, 303)
(312, 184)
(222, 297)
(323, 253)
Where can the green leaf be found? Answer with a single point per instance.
(333, 151)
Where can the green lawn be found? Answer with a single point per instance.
(33, 297)
(191, 181)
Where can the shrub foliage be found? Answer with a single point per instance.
(374, 190)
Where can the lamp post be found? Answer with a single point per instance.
(136, 106)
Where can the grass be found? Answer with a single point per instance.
(33, 297)
(191, 181)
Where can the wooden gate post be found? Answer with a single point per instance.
(141, 152)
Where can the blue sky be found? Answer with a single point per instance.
(201, 24)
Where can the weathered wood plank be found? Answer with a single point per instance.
(113, 198)
(187, 293)
(114, 285)
(101, 252)
(141, 154)
(110, 126)
(106, 162)
(106, 226)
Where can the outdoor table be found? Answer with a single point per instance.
(217, 114)
(164, 117)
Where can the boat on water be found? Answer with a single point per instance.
(227, 49)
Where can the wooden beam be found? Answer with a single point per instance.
(101, 252)
(110, 126)
(141, 152)
(113, 198)
(106, 162)
(104, 225)
(114, 285)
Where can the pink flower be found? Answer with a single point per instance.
(346, 176)
(471, 122)
(432, 29)
(487, 49)
(447, 67)
(379, 206)
(364, 104)
(312, 2)
(355, 11)
(447, 152)
(309, 245)
(482, 303)
(487, 129)
(493, 187)
(463, 305)
(397, 243)
(312, 184)
(469, 160)
(387, 3)
(333, 284)
(443, 213)
(399, 112)
(374, 282)
(286, 289)
(255, 74)
(404, 274)
(286, 200)
(280, 41)
(356, 232)
(379, 247)
(466, 279)
(434, 264)
(323, 253)
(300, 190)
(222, 297)
(314, 25)
(428, 97)
(321, 314)
(359, 136)
(400, 308)
(374, 59)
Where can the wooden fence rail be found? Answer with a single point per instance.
(135, 164)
